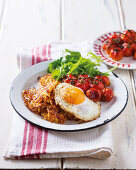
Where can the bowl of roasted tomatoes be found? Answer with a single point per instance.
(117, 48)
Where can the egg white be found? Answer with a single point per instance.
(87, 110)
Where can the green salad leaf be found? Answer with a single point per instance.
(55, 64)
(74, 63)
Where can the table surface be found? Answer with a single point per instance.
(32, 22)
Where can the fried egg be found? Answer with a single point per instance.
(73, 100)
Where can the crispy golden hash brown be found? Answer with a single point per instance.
(41, 101)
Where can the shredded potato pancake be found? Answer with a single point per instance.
(41, 101)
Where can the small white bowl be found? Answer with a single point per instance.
(125, 63)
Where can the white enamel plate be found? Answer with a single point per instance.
(28, 78)
(125, 63)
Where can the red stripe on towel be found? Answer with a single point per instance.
(49, 52)
(38, 59)
(39, 140)
(33, 57)
(24, 138)
(30, 139)
(44, 53)
(45, 141)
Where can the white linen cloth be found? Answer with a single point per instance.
(30, 141)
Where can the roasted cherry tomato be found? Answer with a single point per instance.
(116, 54)
(115, 39)
(106, 95)
(129, 36)
(133, 45)
(67, 80)
(104, 79)
(135, 55)
(97, 84)
(70, 79)
(110, 47)
(84, 77)
(106, 44)
(82, 84)
(70, 76)
(127, 49)
(93, 94)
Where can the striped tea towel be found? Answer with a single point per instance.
(30, 141)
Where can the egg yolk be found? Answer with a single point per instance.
(73, 95)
